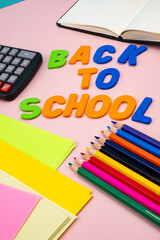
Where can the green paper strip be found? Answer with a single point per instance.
(48, 148)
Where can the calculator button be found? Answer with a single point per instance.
(27, 55)
(25, 63)
(12, 79)
(6, 88)
(5, 50)
(16, 62)
(7, 59)
(1, 57)
(4, 77)
(10, 69)
(19, 71)
(13, 52)
(2, 66)
(1, 84)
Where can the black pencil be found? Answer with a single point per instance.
(127, 162)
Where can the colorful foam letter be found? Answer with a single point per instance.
(73, 104)
(24, 106)
(131, 104)
(81, 55)
(57, 59)
(114, 78)
(86, 72)
(90, 109)
(47, 112)
(98, 54)
(130, 54)
(139, 114)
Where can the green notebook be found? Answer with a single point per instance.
(48, 148)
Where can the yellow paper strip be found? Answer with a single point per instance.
(43, 179)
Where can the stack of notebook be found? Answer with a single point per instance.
(125, 164)
(36, 201)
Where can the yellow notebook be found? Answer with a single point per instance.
(49, 148)
(43, 179)
(47, 220)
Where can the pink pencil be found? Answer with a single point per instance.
(120, 186)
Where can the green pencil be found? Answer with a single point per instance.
(117, 194)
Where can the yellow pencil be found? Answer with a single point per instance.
(126, 171)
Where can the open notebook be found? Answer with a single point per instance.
(47, 221)
(128, 20)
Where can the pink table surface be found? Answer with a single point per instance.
(32, 25)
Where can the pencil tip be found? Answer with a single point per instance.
(74, 158)
(102, 131)
(109, 127)
(87, 148)
(92, 143)
(82, 154)
(70, 164)
(96, 137)
(113, 122)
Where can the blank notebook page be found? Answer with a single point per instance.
(148, 18)
(109, 14)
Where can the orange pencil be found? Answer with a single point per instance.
(133, 148)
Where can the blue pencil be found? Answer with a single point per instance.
(137, 134)
(136, 141)
(134, 157)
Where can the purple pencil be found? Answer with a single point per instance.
(137, 134)
(120, 186)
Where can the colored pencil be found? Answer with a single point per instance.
(122, 178)
(126, 171)
(117, 194)
(128, 162)
(129, 154)
(133, 148)
(120, 186)
(138, 142)
(137, 134)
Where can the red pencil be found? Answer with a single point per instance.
(124, 179)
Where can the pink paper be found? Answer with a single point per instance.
(15, 207)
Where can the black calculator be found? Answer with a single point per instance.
(17, 68)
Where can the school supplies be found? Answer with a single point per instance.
(134, 157)
(145, 172)
(120, 186)
(47, 220)
(137, 134)
(123, 20)
(126, 171)
(138, 142)
(117, 194)
(43, 179)
(46, 147)
(122, 178)
(15, 207)
(133, 148)
(17, 68)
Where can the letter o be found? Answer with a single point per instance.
(113, 112)
(91, 113)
